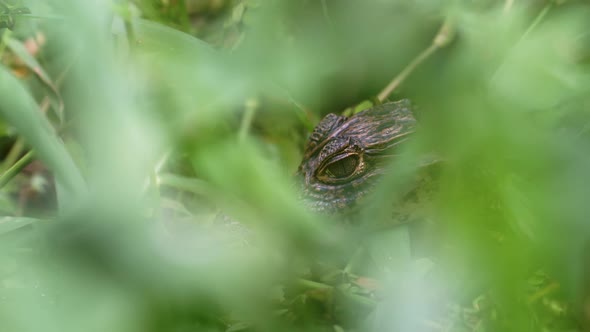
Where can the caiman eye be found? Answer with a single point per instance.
(342, 168)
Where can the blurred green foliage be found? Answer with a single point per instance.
(148, 151)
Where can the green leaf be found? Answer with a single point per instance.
(178, 58)
(8, 224)
(8, 12)
(390, 249)
(152, 36)
(365, 104)
(19, 49)
(238, 12)
(20, 110)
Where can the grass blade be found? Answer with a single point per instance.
(19, 49)
(20, 110)
(8, 224)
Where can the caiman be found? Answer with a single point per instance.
(345, 158)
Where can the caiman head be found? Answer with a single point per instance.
(345, 156)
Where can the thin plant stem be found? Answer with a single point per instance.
(129, 29)
(251, 106)
(156, 195)
(528, 31)
(5, 34)
(16, 168)
(508, 5)
(398, 80)
(543, 292)
(442, 38)
(354, 260)
(43, 17)
(301, 111)
(313, 284)
(13, 154)
(182, 183)
(537, 20)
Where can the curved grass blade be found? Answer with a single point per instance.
(158, 37)
(7, 14)
(20, 110)
(19, 49)
(9, 224)
(15, 169)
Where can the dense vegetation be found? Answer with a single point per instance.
(148, 149)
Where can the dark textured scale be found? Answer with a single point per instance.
(345, 156)
(331, 148)
(328, 123)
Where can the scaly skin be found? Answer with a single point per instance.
(345, 156)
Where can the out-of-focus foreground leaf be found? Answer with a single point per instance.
(22, 112)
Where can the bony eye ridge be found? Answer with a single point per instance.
(340, 168)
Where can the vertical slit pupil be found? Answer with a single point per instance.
(344, 167)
